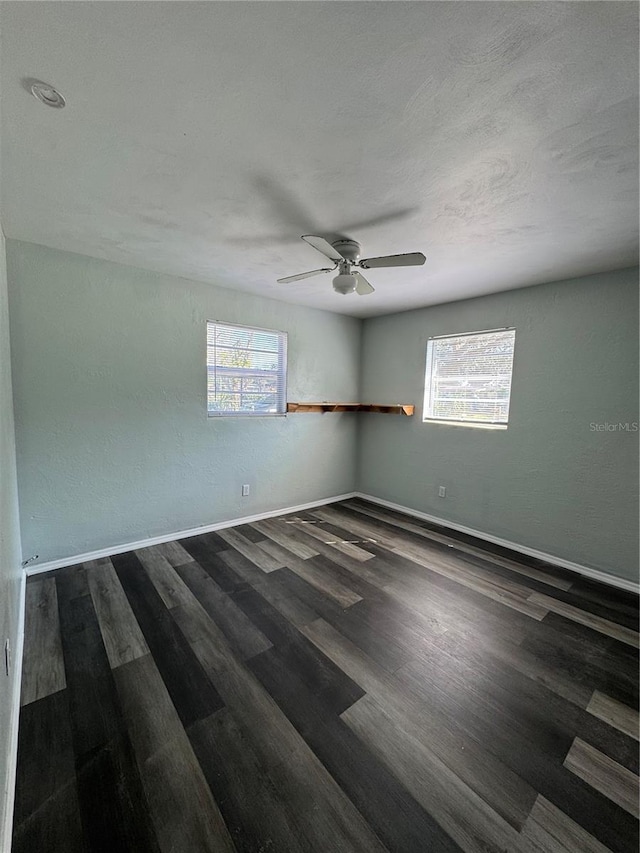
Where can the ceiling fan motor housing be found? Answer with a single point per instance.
(349, 249)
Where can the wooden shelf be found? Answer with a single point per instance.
(396, 409)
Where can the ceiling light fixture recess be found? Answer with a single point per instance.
(47, 94)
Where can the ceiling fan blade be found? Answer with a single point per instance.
(363, 288)
(302, 275)
(413, 259)
(323, 246)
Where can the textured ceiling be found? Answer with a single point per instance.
(202, 139)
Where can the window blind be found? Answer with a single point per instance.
(468, 377)
(246, 370)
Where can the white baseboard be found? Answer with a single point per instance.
(36, 569)
(586, 571)
(594, 574)
(12, 762)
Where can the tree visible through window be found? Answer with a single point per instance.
(246, 370)
(468, 378)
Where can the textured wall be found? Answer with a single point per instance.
(9, 539)
(550, 481)
(113, 439)
(114, 444)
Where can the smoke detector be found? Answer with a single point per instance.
(49, 95)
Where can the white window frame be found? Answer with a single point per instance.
(280, 372)
(427, 411)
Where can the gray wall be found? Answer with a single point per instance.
(549, 481)
(114, 444)
(10, 570)
(113, 441)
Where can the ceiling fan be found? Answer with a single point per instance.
(346, 255)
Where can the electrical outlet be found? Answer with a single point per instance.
(442, 491)
(245, 490)
(7, 656)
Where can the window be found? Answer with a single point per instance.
(246, 370)
(468, 378)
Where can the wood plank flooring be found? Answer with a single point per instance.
(346, 679)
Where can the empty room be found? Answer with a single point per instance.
(319, 427)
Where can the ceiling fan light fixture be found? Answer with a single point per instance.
(344, 283)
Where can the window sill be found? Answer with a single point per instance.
(246, 414)
(443, 422)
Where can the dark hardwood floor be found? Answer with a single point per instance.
(348, 679)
